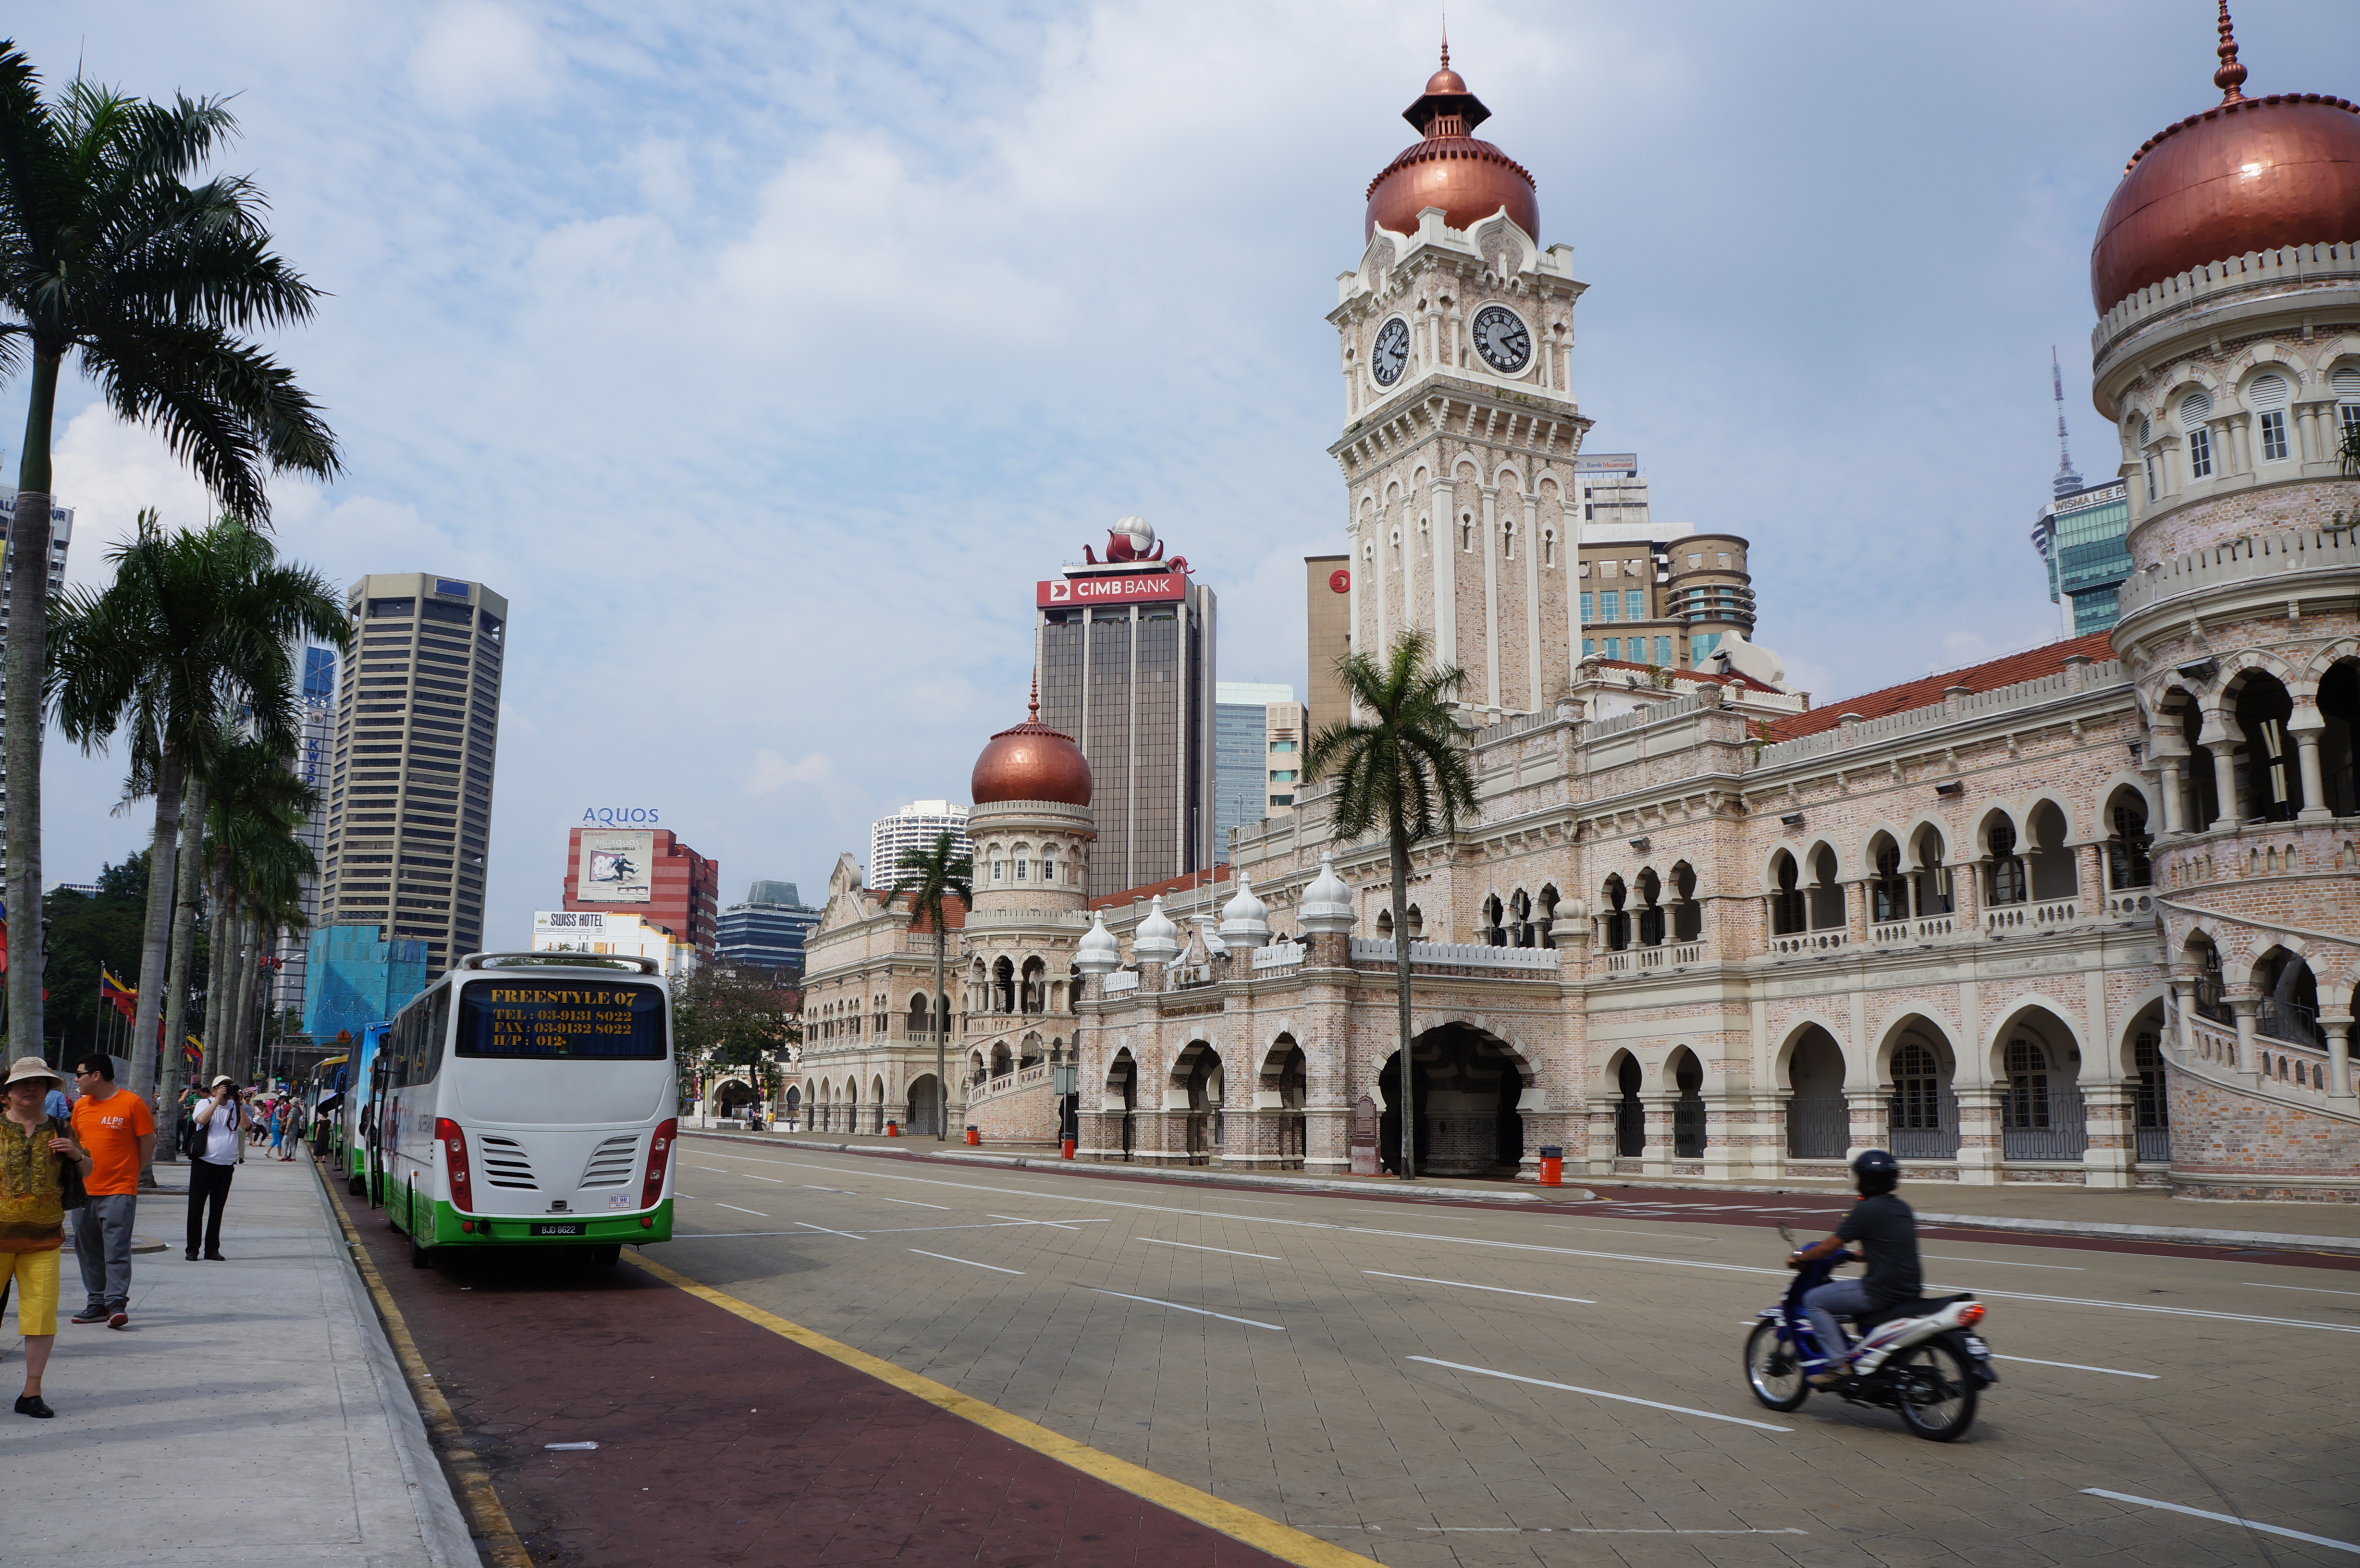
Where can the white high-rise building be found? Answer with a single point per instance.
(315, 753)
(915, 826)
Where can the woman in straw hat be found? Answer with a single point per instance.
(33, 1149)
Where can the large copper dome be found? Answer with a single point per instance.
(1030, 762)
(2247, 174)
(1469, 179)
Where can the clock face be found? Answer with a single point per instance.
(1502, 340)
(1390, 354)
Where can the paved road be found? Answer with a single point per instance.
(1448, 1384)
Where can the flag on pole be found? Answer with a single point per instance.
(124, 998)
(194, 1050)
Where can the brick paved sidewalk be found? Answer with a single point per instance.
(251, 1415)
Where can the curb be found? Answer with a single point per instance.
(1178, 1174)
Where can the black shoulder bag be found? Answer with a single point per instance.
(72, 1195)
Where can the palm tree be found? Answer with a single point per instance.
(1402, 768)
(193, 624)
(932, 877)
(107, 251)
(258, 803)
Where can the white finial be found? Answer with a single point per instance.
(1245, 920)
(1100, 953)
(1157, 939)
(1328, 902)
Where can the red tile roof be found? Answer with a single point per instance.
(1171, 885)
(1710, 676)
(2030, 665)
(952, 908)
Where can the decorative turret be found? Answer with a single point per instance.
(1100, 953)
(1245, 920)
(1157, 939)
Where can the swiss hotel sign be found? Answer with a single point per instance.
(1149, 588)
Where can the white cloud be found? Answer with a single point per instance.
(773, 772)
(475, 56)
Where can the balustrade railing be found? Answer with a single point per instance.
(1462, 956)
(1121, 980)
(2032, 917)
(1671, 955)
(1808, 942)
(1278, 955)
(1818, 1126)
(2050, 1125)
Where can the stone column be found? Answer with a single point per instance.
(1600, 1152)
(1864, 1111)
(1657, 1159)
(2108, 1111)
(2337, 1027)
(2245, 1001)
(1856, 909)
(1327, 1140)
(2167, 785)
(2306, 726)
(2093, 858)
(1980, 1142)
(2221, 734)
(1967, 892)
(2184, 999)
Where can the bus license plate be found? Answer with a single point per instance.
(574, 1229)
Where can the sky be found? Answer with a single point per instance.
(763, 355)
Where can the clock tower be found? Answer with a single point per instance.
(1456, 332)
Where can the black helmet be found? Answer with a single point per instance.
(1877, 1171)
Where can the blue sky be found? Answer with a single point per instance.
(764, 355)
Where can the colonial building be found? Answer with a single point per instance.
(2087, 914)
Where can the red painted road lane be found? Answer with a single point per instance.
(722, 1443)
(1684, 1205)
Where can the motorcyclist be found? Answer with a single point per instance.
(1887, 1232)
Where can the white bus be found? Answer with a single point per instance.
(529, 1100)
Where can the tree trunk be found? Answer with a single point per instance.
(934, 1010)
(1401, 991)
(27, 657)
(238, 1039)
(156, 939)
(186, 895)
(222, 927)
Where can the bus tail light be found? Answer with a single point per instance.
(454, 1163)
(659, 1162)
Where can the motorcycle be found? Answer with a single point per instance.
(1921, 1358)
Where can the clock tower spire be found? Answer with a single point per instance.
(1460, 425)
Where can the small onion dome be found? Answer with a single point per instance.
(1157, 939)
(1469, 179)
(1099, 953)
(1245, 920)
(1328, 903)
(1030, 762)
(2248, 174)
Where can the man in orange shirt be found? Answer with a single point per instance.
(119, 1132)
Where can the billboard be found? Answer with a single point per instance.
(617, 866)
(1154, 587)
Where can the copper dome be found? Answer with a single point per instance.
(1449, 168)
(1030, 762)
(2247, 174)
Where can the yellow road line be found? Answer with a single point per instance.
(472, 1482)
(1257, 1530)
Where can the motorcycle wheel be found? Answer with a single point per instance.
(1937, 1396)
(1772, 1371)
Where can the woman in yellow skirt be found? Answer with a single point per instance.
(33, 1147)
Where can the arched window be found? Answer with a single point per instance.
(1495, 924)
(1507, 541)
(1917, 1086)
(1548, 548)
(1004, 986)
(2025, 1102)
(2127, 851)
(1788, 910)
(1617, 922)
(1889, 891)
(1548, 917)
(2154, 1102)
(1467, 532)
(2268, 396)
(2008, 877)
(2273, 791)
(1385, 922)
(2192, 411)
(1520, 911)
(1688, 915)
(1651, 908)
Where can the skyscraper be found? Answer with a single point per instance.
(1240, 757)
(410, 801)
(1125, 648)
(1328, 634)
(767, 930)
(915, 826)
(315, 764)
(2082, 535)
(60, 533)
(645, 872)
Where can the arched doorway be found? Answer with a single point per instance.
(2150, 1094)
(1468, 1085)
(1122, 1095)
(1285, 1087)
(1197, 1071)
(732, 1095)
(1921, 1113)
(791, 1108)
(925, 1105)
(1630, 1113)
(2041, 1113)
(1818, 1125)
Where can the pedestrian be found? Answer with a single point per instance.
(220, 1149)
(282, 1115)
(119, 1130)
(34, 1149)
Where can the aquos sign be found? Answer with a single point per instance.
(1161, 587)
(620, 817)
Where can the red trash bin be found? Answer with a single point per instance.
(1552, 1165)
(973, 1138)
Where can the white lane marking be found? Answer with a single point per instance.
(714, 1168)
(970, 1262)
(1201, 1312)
(914, 1203)
(755, 1212)
(839, 1191)
(1997, 1263)
(2077, 1366)
(1598, 1394)
(691, 1196)
(808, 1225)
(1159, 1241)
(1495, 1290)
(750, 1176)
(2314, 1289)
(2225, 1518)
(1061, 1224)
(1650, 1235)
(1575, 1252)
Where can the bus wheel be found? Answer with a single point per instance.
(602, 1256)
(356, 1185)
(420, 1258)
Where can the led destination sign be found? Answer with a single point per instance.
(1154, 588)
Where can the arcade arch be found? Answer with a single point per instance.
(1468, 1086)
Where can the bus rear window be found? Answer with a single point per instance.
(560, 1019)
